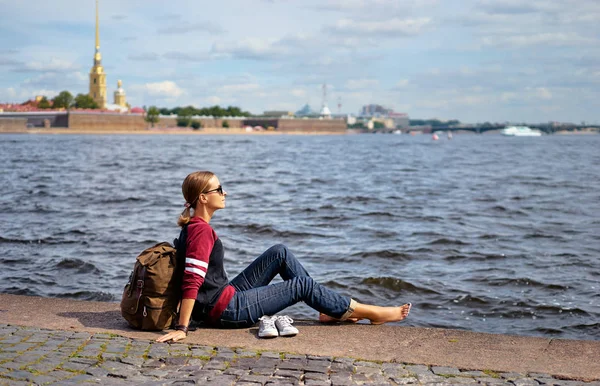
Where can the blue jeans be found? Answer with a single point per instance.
(254, 297)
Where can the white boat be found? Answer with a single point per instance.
(520, 131)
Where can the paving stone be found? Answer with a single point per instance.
(293, 374)
(131, 360)
(443, 370)
(72, 366)
(405, 380)
(97, 372)
(20, 347)
(216, 365)
(262, 379)
(341, 379)
(317, 368)
(511, 375)
(270, 354)
(316, 376)
(418, 369)
(337, 367)
(158, 373)
(316, 382)
(221, 380)
(474, 374)
(525, 382)
(491, 381)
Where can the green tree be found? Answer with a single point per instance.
(196, 124)
(152, 115)
(225, 124)
(378, 125)
(84, 101)
(183, 121)
(43, 103)
(64, 100)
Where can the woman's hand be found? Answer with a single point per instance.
(173, 335)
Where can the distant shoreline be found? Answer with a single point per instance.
(175, 131)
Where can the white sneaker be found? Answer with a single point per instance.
(284, 325)
(267, 327)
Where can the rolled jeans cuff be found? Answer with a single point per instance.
(350, 310)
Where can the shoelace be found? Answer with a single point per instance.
(268, 322)
(285, 320)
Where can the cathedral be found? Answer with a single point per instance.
(98, 80)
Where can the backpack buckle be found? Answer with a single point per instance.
(140, 284)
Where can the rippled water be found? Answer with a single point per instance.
(485, 233)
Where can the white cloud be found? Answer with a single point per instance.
(539, 39)
(54, 65)
(166, 89)
(213, 100)
(383, 28)
(298, 92)
(360, 84)
(235, 88)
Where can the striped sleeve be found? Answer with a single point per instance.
(199, 244)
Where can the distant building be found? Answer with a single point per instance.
(401, 120)
(374, 110)
(306, 111)
(120, 99)
(278, 113)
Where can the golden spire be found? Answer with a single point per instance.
(97, 56)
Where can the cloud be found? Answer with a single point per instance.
(119, 17)
(183, 28)
(145, 57)
(361, 84)
(161, 90)
(539, 39)
(402, 83)
(9, 62)
(186, 57)
(213, 100)
(249, 48)
(236, 88)
(391, 28)
(54, 65)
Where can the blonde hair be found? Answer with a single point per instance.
(194, 184)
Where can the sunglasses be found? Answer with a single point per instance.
(219, 190)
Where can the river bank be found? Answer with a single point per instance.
(440, 355)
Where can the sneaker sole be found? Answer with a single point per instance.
(272, 335)
(289, 334)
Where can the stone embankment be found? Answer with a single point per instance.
(56, 341)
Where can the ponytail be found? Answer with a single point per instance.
(184, 217)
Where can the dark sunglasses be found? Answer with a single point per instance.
(218, 190)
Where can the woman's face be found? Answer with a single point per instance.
(215, 196)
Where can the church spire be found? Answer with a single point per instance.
(97, 56)
(97, 75)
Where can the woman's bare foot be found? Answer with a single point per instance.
(328, 319)
(391, 314)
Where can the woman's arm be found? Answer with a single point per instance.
(185, 313)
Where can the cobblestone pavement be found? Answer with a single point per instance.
(30, 356)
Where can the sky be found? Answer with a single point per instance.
(489, 60)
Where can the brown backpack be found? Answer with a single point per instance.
(151, 297)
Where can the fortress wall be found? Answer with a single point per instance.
(13, 125)
(112, 122)
(312, 125)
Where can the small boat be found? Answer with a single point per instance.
(435, 137)
(449, 135)
(520, 131)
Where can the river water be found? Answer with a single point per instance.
(484, 233)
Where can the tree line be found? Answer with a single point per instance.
(65, 100)
(215, 111)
